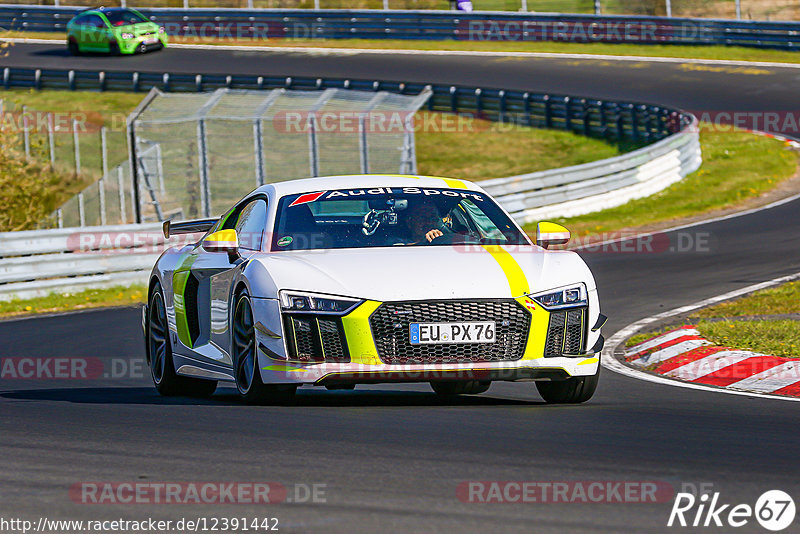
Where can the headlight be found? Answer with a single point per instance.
(127, 35)
(161, 29)
(310, 302)
(562, 298)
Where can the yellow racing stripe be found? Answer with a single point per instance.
(454, 184)
(517, 281)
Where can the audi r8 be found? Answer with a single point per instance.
(366, 279)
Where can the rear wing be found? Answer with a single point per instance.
(188, 227)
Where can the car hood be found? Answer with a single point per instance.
(417, 273)
(137, 29)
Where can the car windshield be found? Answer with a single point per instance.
(123, 17)
(381, 217)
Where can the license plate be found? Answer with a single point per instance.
(472, 332)
(152, 40)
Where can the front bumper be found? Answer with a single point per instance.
(131, 46)
(366, 366)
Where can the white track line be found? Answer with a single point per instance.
(477, 53)
(692, 224)
(610, 362)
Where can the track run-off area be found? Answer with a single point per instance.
(392, 458)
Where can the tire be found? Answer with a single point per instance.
(461, 387)
(72, 47)
(159, 356)
(570, 391)
(245, 360)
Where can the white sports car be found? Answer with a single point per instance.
(352, 280)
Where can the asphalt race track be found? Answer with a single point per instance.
(392, 458)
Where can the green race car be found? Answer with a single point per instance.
(114, 30)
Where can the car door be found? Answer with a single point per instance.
(93, 30)
(204, 280)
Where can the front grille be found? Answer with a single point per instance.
(391, 322)
(566, 332)
(315, 339)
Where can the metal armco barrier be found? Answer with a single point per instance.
(432, 25)
(35, 263)
(603, 184)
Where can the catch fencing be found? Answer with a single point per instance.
(73, 142)
(244, 24)
(198, 153)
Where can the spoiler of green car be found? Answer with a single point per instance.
(187, 227)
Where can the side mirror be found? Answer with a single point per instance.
(222, 241)
(548, 233)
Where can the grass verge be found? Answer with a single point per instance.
(729, 53)
(737, 166)
(778, 336)
(82, 300)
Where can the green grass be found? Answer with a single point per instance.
(59, 302)
(778, 338)
(736, 166)
(773, 301)
(731, 53)
(504, 151)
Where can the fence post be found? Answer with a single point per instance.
(258, 146)
(597, 10)
(51, 139)
(81, 214)
(160, 170)
(386, 5)
(738, 10)
(313, 148)
(103, 150)
(669, 8)
(77, 146)
(137, 209)
(60, 218)
(122, 215)
(316, 5)
(26, 135)
(101, 185)
(363, 147)
(524, 7)
(202, 155)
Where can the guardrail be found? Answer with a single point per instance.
(613, 120)
(571, 191)
(245, 24)
(37, 262)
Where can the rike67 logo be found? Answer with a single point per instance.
(774, 510)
